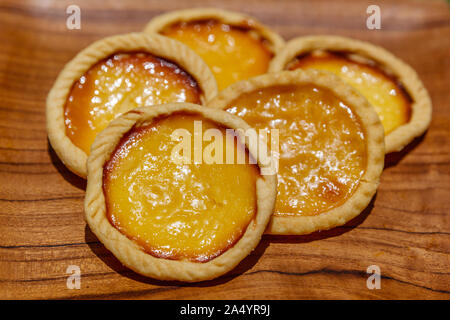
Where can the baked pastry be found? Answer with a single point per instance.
(173, 220)
(235, 46)
(390, 85)
(331, 145)
(112, 76)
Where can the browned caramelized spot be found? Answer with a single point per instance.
(232, 53)
(121, 83)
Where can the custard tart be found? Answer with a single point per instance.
(113, 76)
(171, 220)
(235, 46)
(389, 84)
(331, 145)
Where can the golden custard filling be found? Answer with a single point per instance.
(322, 145)
(389, 99)
(232, 53)
(176, 211)
(118, 84)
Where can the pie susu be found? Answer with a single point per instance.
(233, 45)
(187, 221)
(113, 76)
(331, 145)
(390, 85)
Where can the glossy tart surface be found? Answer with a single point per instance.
(118, 84)
(232, 53)
(390, 85)
(170, 215)
(322, 145)
(389, 99)
(114, 75)
(331, 145)
(189, 212)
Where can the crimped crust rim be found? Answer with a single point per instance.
(421, 106)
(127, 251)
(72, 156)
(360, 199)
(158, 23)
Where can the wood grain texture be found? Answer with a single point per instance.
(405, 230)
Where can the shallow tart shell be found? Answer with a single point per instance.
(72, 156)
(273, 40)
(374, 138)
(421, 103)
(126, 250)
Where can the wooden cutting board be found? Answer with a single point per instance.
(405, 231)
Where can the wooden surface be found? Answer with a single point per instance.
(405, 231)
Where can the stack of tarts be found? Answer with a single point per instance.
(338, 106)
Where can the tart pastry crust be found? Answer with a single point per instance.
(274, 41)
(72, 156)
(421, 108)
(374, 138)
(126, 250)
